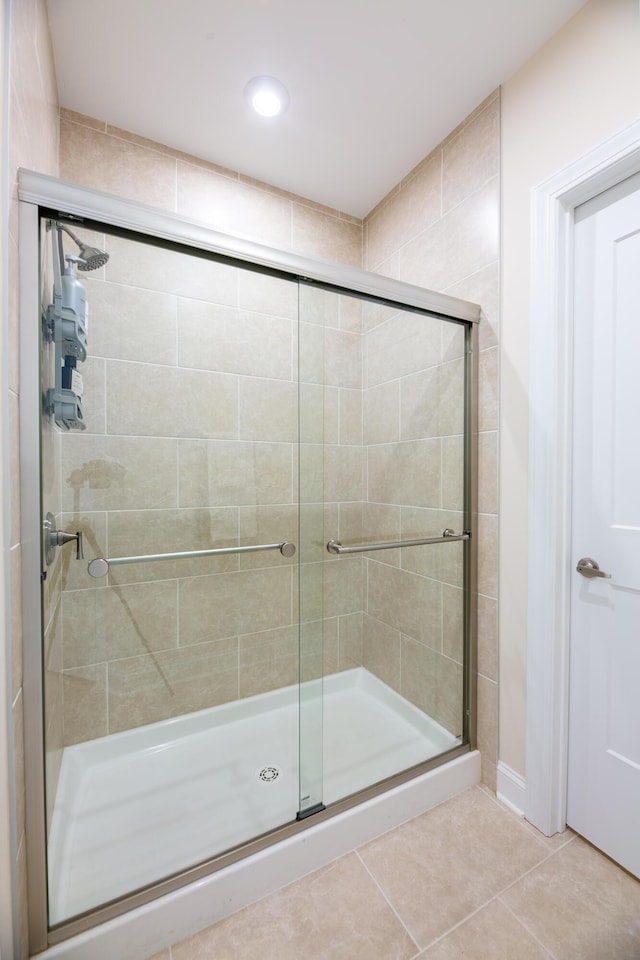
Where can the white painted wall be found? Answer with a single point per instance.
(582, 87)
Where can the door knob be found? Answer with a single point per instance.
(589, 568)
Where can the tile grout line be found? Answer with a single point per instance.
(391, 906)
(519, 920)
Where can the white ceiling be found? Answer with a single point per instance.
(374, 84)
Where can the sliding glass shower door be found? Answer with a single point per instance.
(172, 648)
(384, 453)
(255, 565)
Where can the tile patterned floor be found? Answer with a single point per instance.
(466, 881)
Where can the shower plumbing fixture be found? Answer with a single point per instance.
(66, 325)
(90, 257)
(57, 538)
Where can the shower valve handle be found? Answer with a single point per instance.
(57, 538)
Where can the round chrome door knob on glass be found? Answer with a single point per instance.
(590, 569)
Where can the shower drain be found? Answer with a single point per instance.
(269, 774)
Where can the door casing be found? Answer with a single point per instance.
(550, 467)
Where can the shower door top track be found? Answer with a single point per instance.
(88, 204)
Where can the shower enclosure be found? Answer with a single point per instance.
(254, 517)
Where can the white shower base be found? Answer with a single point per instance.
(138, 806)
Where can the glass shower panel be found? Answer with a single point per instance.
(172, 679)
(387, 466)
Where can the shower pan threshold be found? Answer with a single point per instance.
(134, 807)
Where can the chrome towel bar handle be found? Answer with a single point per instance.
(100, 565)
(448, 536)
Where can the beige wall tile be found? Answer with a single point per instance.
(483, 287)
(433, 683)
(488, 637)
(273, 523)
(488, 555)
(93, 373)
(579, 904)
(406, 213)
(171, 683)
(122, 473)
(453, 622)
(488, 720)
(380, 522)
(94, 159)
(403, 344)
(136, 533)
(311, 361)
(381, 651)
(488, 472)
(464, 241)
(225, 472)
(267, 409)
(339, 905)
(445, 864)
(488, 390)
(268, 660)
(351, 313)
(350, 402)
(116, 622)
(472, 157)
(342, 359)
(342, 586)
(321, 235)
(85, 703)
(232, 206)
(453, 473)
(139, 264)
(170, 402)
(343, 466)
(432, 402)
(381, 413)
(406, 473)
(229, 604)
(228, 340)
(417, 523)
(268, 295)
(406, 602)
(129, 323)
(350, 641)
(318, 413)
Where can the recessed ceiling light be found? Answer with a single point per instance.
(267, 96)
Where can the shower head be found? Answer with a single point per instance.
(91, 257)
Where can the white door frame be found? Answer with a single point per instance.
(550, 467)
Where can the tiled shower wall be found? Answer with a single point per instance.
(448, 204)
(439, 228)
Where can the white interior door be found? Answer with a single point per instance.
(603, 802)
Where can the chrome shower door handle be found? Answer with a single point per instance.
(590, 569)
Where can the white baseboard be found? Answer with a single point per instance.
(511, 789)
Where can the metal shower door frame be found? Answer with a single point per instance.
(38, 193)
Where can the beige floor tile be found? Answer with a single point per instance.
(444, 864)
(336, 913)
(491, 934)
(580, 905)
(163, 955)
